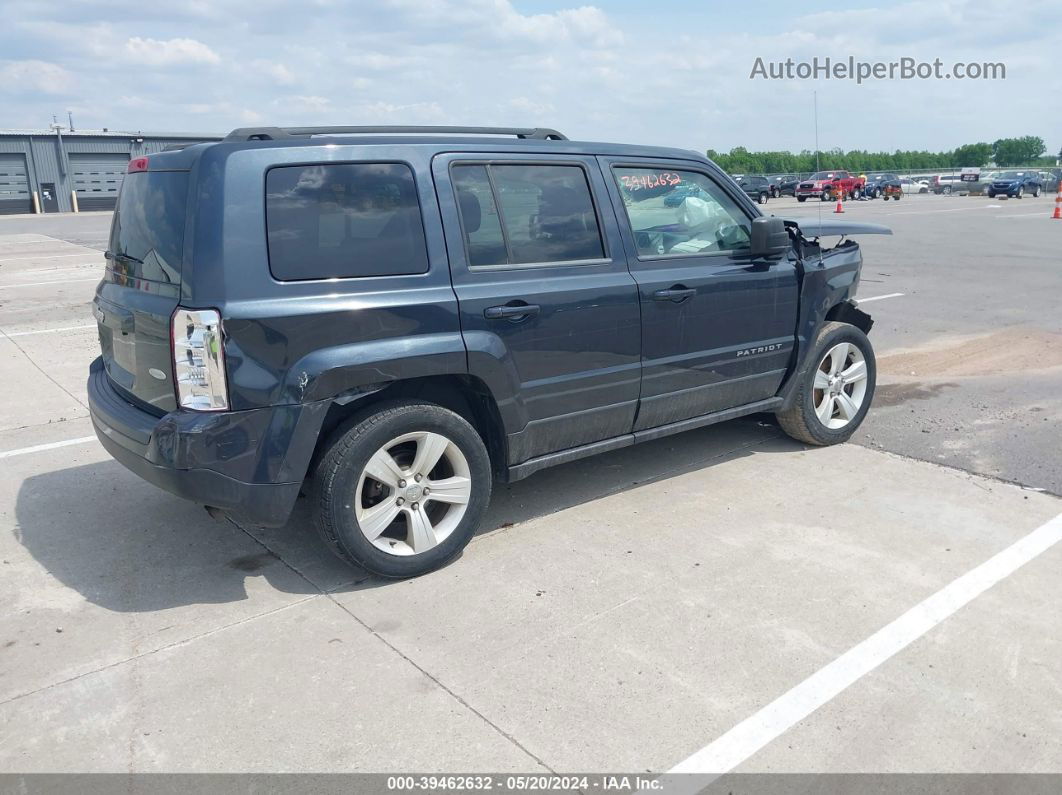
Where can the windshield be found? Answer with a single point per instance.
(1012, 175)
(147, 233)
(824, 175)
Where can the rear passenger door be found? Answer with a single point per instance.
(549, 312)
(718, 327)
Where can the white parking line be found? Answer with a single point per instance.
(43, 331)
(38, 448)
(51, 256)
(878, 298)
(753, 733)
(53, 281)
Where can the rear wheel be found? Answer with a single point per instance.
(834, 394)
(403, 489)
(947, 190)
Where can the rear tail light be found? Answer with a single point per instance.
(199, 360)
(137, 164)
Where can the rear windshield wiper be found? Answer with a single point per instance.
(120, 257)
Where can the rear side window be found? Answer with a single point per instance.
(518, 215)
(343, 220)
(147, 231)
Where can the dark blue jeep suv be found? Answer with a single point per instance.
(388, 319)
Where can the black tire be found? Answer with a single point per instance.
(947, 190)
(337, 476)
(761, 199)
(825, 196)
(1021, 193)
(799, 419)
(990, 194)
(1036, 192)
(801, 199)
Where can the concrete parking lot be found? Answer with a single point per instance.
(722, 600)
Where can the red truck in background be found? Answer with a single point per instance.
(827, 185)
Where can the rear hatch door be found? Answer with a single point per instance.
(142, 286)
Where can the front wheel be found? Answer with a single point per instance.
(834, 393)
(403, 489)
(1021, 192)
(947, 190)
(761, 199)
(801, 199)
(1036, 192)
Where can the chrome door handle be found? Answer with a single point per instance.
(676, 294)
(511, 312)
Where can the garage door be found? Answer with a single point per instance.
(14, 187)
(97, 179)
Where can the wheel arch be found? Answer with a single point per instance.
(847, 312)
(465, 395)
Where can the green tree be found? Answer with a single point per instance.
(1017, 151)
(971, 155)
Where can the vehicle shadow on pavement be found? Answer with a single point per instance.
(130, 547)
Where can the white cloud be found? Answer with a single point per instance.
(670, 72)
(278, 72)
(169, 52)
(27, 76)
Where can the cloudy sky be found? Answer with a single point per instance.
(672, 72)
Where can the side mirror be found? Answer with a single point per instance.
(769, 237)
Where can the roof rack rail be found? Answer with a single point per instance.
(284, 133)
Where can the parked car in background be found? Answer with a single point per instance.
(787, 185)
(876, 185)
(909, 185)
(947, 184)
(827, 184)
(757, 188)
(1015, 184)
(1050, 180)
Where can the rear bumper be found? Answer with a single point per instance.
(248, 463)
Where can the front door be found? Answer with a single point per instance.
(718, 327)
(549, 311)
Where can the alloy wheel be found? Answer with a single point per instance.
(840, 385)
(413, 493)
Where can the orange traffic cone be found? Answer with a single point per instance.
(839, 208)
(1058, 204)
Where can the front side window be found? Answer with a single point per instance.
(343, 220)
(675, 212)
(517, 214)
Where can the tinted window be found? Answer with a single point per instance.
(543, 213)
(484, 240)
(681, 212)
(147, 232)
(343, 220)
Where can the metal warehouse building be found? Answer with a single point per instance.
(56, 171)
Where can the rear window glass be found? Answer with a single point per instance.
(147, 232)
(343, 220)
(519, 215)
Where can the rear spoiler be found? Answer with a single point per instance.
(814, 227)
